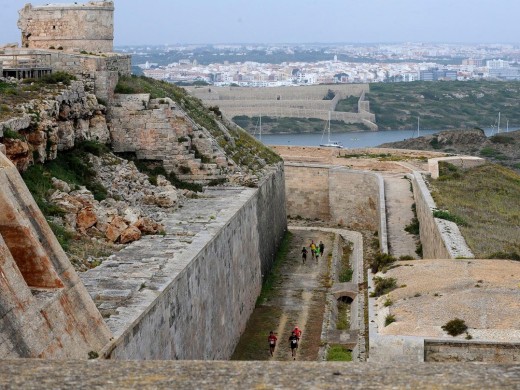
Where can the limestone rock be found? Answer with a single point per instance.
(131, 215)
(18, 152)
(98, 129)
(86, 218)
(130, 234)
(66, 202)
(66, 135)
(60, 185)
(83, 196)
(115, 228)
(148, 226)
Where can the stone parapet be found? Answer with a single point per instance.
(252, 375)
(440, 239)
(464, 162)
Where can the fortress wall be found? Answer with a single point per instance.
(312, 92)
(440, 239)
(341, 196)
(45, 310)
(212, 290)
(471, 351)
(307, 191)
(281, 112)
(354, 199)
(88, 27)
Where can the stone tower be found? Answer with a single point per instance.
(86, 27)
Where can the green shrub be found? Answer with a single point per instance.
(388, 302)
(445, 214)
(455, 327)
(346, 275)
(339, 353)
(383, 286)
(389, 319)
(11, 134)
(413, 227)
(381, 261)
(504, 255)
(502, 139)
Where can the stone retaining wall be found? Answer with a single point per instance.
(468, 351)
(440, 239)
(202, 286)
(344, 197)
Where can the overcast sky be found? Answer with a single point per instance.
(271, 21)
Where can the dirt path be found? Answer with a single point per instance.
(298, 299)
(399, 200)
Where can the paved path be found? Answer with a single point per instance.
(399, 201)
(298, 299)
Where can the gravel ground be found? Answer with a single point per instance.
(484, 293)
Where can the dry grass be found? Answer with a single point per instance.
(487, 198)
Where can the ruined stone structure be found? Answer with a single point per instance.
(159, 130)
(45, 311)
(88, 27)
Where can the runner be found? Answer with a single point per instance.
(313, 248)
(272, 342)
(293, 342)
(304, 254)
(322, 247)
(317, 253)
(297, 332)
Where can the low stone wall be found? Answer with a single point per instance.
(468, 351)
(463, 162)
(188, 295)
(440, 239)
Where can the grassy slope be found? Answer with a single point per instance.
(487, 199)
(444, 105)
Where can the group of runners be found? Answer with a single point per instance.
(294, 340)
(316, 251)
(296, 334)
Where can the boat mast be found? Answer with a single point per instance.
(498, 128)
(260, 127)
(418, 123)
(328, 129)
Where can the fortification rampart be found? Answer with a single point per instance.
(293, 102)
(440, 239)
(339, 195)
(45, 311)
(88, 26)
(314, 92)
(189, 294)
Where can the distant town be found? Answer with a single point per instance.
(290, 65)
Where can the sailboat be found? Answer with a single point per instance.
(330, 144)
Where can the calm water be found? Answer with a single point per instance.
(358, 139)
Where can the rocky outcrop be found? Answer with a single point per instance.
(134, 206)
(56, 122)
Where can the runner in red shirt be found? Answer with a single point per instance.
(272, 342)
(297, 333)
